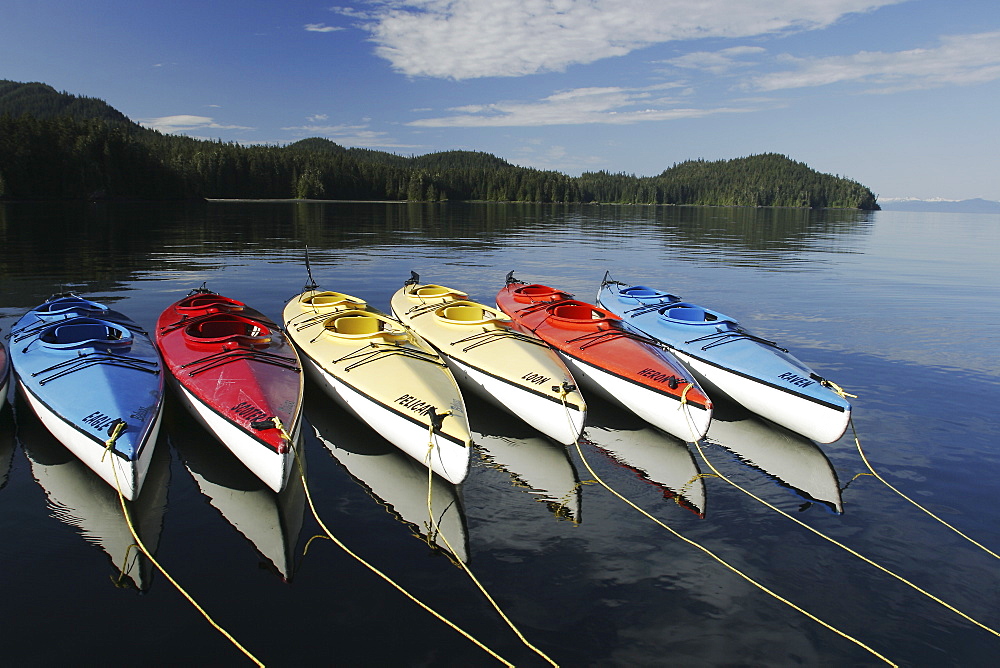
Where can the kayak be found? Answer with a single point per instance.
(385, 375)
(518, 372)
(732, 362)
(95, 380)
(611, 359)
(240, 377)
(4, 375)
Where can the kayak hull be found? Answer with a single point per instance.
(95, 380)
(386, 376)
(239, 376)
(519, 374)
(610, 359)
(732, 363)
(4, 375)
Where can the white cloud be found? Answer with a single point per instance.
(961, 60)
(186, 123)
(608, 105)
(462, 39)
(321, 27)
(716, 62)
(349, 135)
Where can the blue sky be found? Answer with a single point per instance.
(901, 95)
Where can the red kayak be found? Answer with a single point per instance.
(240, 377)
(610, 358)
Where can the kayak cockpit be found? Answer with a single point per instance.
(205, 303)
(331, 300)
(579, 315)
(434, 291)
(229, 328)
(357, 324)
(468, 313)
(692, 314)
(85, 333)
(643, 294)
(535, 292)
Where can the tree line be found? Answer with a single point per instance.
(58, 146)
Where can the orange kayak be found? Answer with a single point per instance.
(611, 359)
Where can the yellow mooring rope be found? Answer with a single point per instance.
(731, 567)
(857, 442)
(141, 546)
(464, 567)
(373, 569)
(842, 546)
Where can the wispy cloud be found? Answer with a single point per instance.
(717, 62)
(349, 135)
(959, 60)
(321, 27)
(183, 123)
(462, 39)
(608, 105)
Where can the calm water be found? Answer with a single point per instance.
(901, 309)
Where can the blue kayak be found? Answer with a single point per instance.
(4, 375)
(729, 361)
(95, 381)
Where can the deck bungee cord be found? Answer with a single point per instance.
(462, 565)
(329, 536)
(109, 444)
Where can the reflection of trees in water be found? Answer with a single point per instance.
(96, 243)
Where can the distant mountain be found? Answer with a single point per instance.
(60, 146)
(43, 101)
(977, 205)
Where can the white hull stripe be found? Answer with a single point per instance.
(392, 409)
(272, 467)
(516, 386)
(193, 397)
(758, 379)
(36, 402)
(651, 388)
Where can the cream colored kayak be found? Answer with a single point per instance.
(518, 372)
(386, 375)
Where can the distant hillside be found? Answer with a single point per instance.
(60, 146)
(942, 206)
(42, 101)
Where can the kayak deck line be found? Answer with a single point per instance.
(730, 361)
(225, 357)
(384, 374)
(93, 378)
(90, 359)
(494, 358)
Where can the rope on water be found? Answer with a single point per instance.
(372, 568)
(142, 547)
(730, 567)
(464, 567)
(842, 546)
(857, 442)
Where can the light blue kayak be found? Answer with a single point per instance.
(95, 381)
(731, 362)
(4, 375)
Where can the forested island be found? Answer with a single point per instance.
(60, 146)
